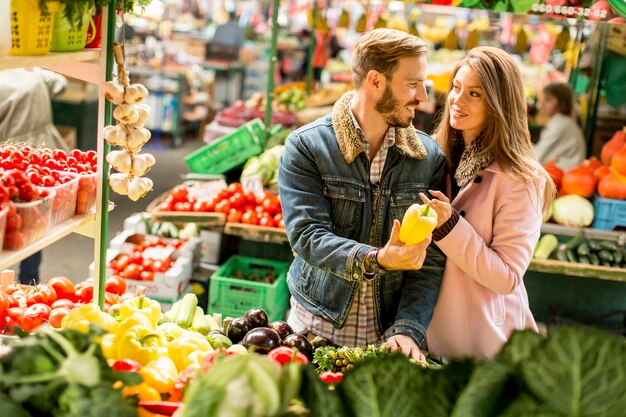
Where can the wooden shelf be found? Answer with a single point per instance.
(50, 59)
(259, 233)
(552, 266)
(556, 229)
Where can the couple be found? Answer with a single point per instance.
(347, 179)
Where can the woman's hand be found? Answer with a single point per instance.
(441, 204)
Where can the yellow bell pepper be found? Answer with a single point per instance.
(141, 305)
(418, 222)
(180, 348)
(160, 374)
(143, 392)
(139, 343)
(136, 320)
(108, 344)
(170, 331)
(80, 318)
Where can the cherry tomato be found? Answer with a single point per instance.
(115, 285)
(56, 316)
(63, 287)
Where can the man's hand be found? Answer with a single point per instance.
(406, 344)
(395, 255)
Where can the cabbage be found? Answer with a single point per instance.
(573, 210)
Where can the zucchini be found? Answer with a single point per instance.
(187, 310)
(576, 240)
(547, 244)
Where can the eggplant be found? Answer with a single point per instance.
(301, 343)
(257, 317)
(282, 328)
(238, 329)
(261, 340)
(217, 331)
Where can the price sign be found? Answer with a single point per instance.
(205, 190)
(253, 183)
(157, 253)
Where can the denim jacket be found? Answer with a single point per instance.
(334, 216)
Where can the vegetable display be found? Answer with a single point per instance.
(129, 133)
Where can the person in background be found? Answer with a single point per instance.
(561, 137)
(26, 117)
(498, 191)
(228, 36)
(345, 180)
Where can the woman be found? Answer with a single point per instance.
(561, 137)
(498, 191)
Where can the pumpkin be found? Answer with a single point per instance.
(613, 146)
(555, 172)
(618, 163)
(592, 163)
(613, 185)
(580, 181)
(600, 172)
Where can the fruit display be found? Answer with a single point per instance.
(129, 133)
(580, 249)
(237, 204)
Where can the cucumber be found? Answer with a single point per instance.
(576, 240)
(571, 256)
(583, 259)
(605, 244)
(594, 259)
(583, 249)
(594, 245)
(561, 254)
(618, 256)
(605, 256)
(547, 244)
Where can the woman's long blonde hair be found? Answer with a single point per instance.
(506, 134)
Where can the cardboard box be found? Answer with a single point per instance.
(125, 241)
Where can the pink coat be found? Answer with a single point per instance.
(483, 298)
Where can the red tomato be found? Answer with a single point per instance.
(84, 292)
(179, 193)
(234, 216)
(42, 293)
(234, 188)
(237, 200)
(267, 221)
(132, 271)
(34, 316)
(14, 317)
(222, 206)
(4, 303)
(63, 303)
(115, 285)
(146, 276)
(63, 287)
(56, 316)
(110, 298)
(249, 217)
(20, 299)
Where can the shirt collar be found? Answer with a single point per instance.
(390, 136)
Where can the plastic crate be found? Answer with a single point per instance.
(32, 223)
(3, 222)
(31, 32)
(86, 194)
(228, 151)
(233, 297)
(64, 204)
(610, 214)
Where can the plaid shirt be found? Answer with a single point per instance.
(360, 326)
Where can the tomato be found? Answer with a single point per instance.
(34, 316)
(132, 271)
(63, 287)
(56, 316)
(14, 222)
(179, 193)
(223, 206)
(234, 187)
(14, 317)
(42, 293)
(63, 303)
(110, 298)
(4, 303)
(267, 221)
(234, 216)
(115, 285)
(249, 217)
(146, 275)
(18, 299)
(59, 155)
(84, 292)
(182, 206)
(237, 200)
(120, 262)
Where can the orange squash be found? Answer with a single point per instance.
(618, 162)
(555, 172)
(613, 185)
(613, 146)
(580, 181)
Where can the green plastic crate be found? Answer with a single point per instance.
(233, 297)
(229, 151)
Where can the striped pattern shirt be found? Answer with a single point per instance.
(360, 328)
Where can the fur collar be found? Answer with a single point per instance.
(473, 160)
(350, 143)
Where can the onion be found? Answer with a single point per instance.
(135, 93)
(120, 160)
(126, 113)
(119, 183)
(114, 92)
(138, 187)
(142, 164)
(115, 135)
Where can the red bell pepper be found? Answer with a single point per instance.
(330, 377)
(126, 365)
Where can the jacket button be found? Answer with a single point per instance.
(462, 213)
(478, 179)
(499, 322)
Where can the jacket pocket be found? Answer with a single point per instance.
(347, 200)
(403, 197)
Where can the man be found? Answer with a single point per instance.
(345, 180)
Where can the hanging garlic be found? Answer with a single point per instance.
(144, 114)
(126, 113)
(138, 187)
(137, 138)
(135, 93)
(119, 183)
(120, 160)
(142, 164)
(115, 135)
(114, 92)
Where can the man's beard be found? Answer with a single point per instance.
(388, 107)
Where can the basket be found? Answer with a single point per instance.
(234, 297)
(66, 38)
(610, 214)
(64, 203)
(228, 151)
(30, 31)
